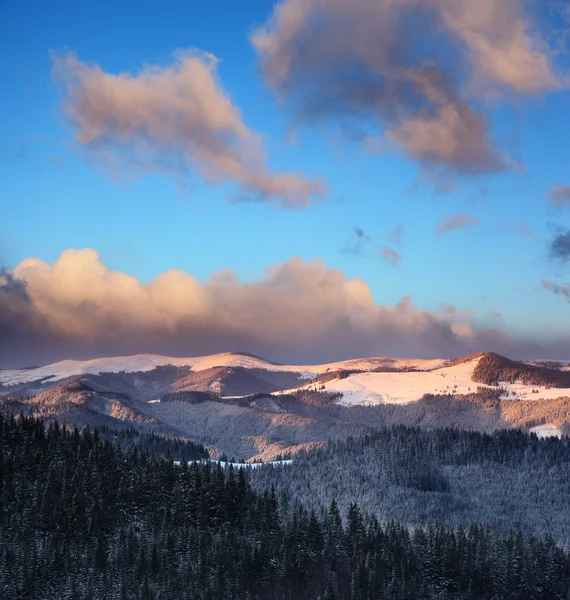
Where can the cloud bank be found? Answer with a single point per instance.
(416, 71)
(175, 119)
(297, 312)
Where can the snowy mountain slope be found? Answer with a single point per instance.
(381, 380)
(148, 362)
(402, 387)
(263, 410)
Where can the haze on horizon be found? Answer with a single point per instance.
(309, 180)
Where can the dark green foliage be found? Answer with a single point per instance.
(190, 397)
(82, 519)
(180, 449)
(505, 480)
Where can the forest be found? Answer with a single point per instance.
(507, 479)
(85, 517)
(493, 368)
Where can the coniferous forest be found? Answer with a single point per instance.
(505, 480)
(82, 517)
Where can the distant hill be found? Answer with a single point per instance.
(493, 369)
(247, 407)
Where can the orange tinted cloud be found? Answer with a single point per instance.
(416, 69)
(298, 311)
(175, 119)
(453, 221)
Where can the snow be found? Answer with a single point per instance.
(148, 362)
(563, 365)
(544, 431)
(404, 387)
(368, 387)
(520, 391)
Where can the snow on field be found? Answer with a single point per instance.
(148, 362)
(401, 388)
(544, 431)
(404, 387)
(525, 392)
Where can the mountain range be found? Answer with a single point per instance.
(246, 406)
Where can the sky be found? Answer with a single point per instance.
(309, 180)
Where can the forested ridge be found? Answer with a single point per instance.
(83, 518)
(493, 368)
(506, 480)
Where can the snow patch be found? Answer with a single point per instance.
(544, 431)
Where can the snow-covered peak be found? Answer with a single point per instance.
(148, 362)
(129, 364)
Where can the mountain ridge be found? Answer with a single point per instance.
(255, 409)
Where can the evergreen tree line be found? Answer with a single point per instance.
(180, 449)
(493, 368)
(81, 518)
(505, 480)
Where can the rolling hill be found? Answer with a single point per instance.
(249, 407)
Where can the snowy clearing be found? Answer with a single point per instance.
(544, 431)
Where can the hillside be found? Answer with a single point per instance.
(83, 518)
(460, 376)
(505, 480)
(143, 363)
(264, 410)
(493, 369)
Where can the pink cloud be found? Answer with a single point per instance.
(176, 119)
(299, 311)
(454, 221)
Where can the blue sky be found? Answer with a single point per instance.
(54, 197)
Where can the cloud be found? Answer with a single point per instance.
(415, 71)
(518, 228)
(560, 196)
(298, 311)
(396, 236)
(357, 243)
(559, 290)
(453, 221)
(175, 119)
(560, 247)
(390, 256)
(450, 312)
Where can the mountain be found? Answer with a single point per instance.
(144, 363)
(246, 406)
